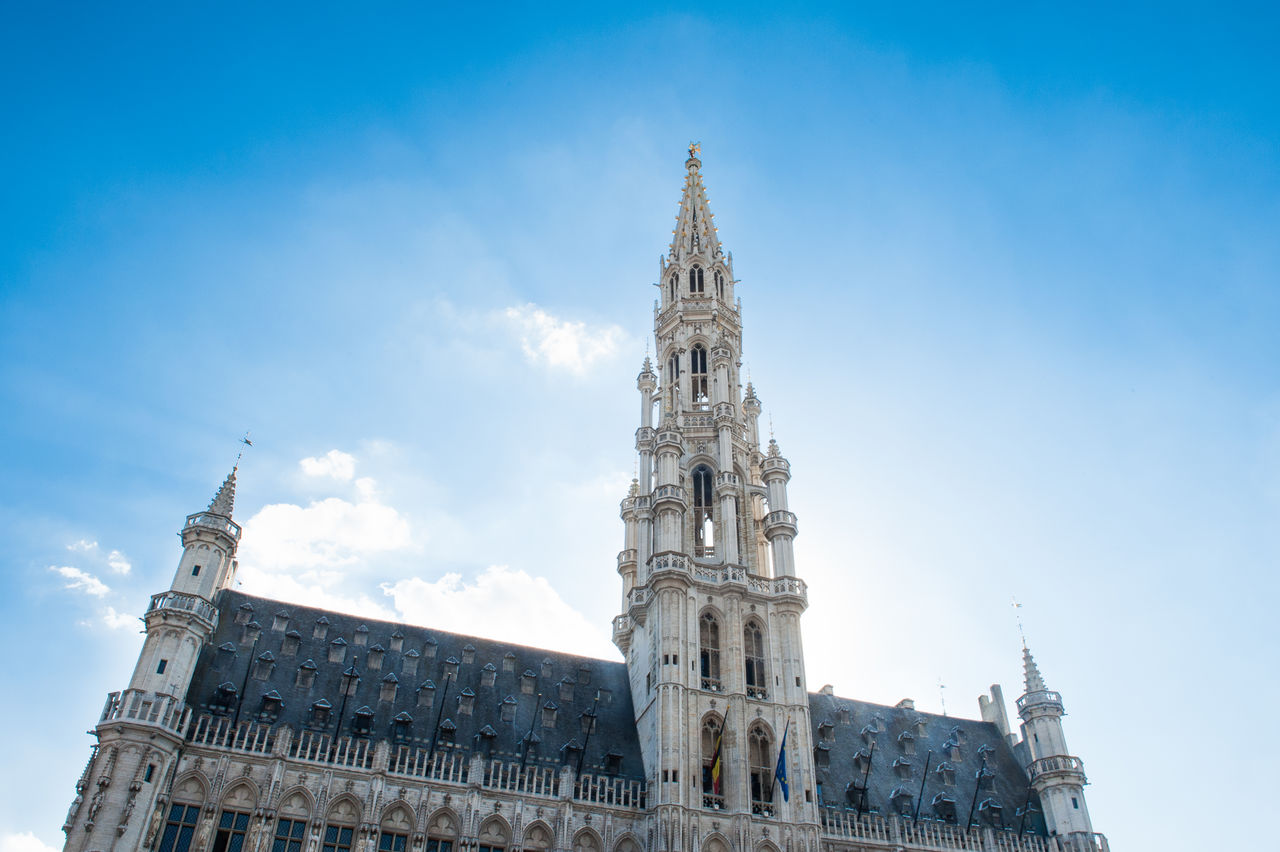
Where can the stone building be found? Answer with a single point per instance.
(253, 725)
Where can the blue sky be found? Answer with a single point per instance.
(1010, 287)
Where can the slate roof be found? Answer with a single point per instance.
(567, 682)
(260, 633)
(978, 745)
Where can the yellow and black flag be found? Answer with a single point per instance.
(716, 765)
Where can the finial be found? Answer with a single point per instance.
(1031, 672)
(771, 441)
(695, 148)
(225, 500)
(942, 693)
(1018, 617)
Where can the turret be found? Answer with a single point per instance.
(1057, 776)
(780, 523)
(140, 731)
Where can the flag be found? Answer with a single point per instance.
(715, 765)
(781, 772)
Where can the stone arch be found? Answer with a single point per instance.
(191, 788)
(397, 817)
(344, 810)
(628, 843)
(241, 796)
(443, 823)
(716, 842)
(494, 832)
(296, 803)
(587, 840)
(766, 846)
(538, 836)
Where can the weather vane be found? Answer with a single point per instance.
(248, 443)
(695, 148)
(1018, 617)
(943, 695)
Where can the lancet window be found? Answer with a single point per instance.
(760, 751)
(704, 533)
(698, 372)
(753, 647)
(695, 281)
(709, 651)
(671, 289)
(673, 381)
(712, 763)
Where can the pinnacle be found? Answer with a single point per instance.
(1034, 682)
(695, 233)
(224, 501)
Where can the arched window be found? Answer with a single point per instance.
(704, 532)
(719, 284)
(760, 751)
(695, 280)
(672, 288)
(709, 651)
(673, 381)
(753, 649)
(712, 763)
(698, 372)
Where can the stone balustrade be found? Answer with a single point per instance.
(183, 602)
(1059, 764)
(148, 708)
(873, 831)
(217, 522)
(1043, 696)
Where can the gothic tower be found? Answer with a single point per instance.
(1057, 776)
(711, 602)
(141, 729)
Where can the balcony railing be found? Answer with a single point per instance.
(875, 830)
(1043, 696)
(1060, 763)
(185, 603)
(218, 731)
(152, 708)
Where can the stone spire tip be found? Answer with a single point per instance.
(225, 500)
(1031, 672)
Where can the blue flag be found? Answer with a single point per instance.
(781, 772)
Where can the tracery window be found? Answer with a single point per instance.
(753, 648)
(712, 763)
(673, 381)
(760, 751)
(704, 533)
(709, 651)
(232, 827)
(289, 834)
(180, 828)
(695, 280)
(698, 371)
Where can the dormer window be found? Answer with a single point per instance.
(488, 674)
(289, 646)
(907, 742)
(900, 798)
(429, 648)
(280, 621)
(903, 767)
(468, 654)
(612, 763)
(944, 807)
(250, 633)
(397, 642)
(549, 714)
(265, 665)
(466, 702)
(320, 712)
(362, 723)
(951, 749)
(566, 690)
(843, 715)
(224, 699)
(306, 675)
(226, 653)
(826, 731)
(868, 733)
(822, 755)
(409, 663)
(448, 731)
(527, 681)
(374, 660)
(402, 728)
(584, 673)
(390, 684)
(695, 280)
(546, 668)
(991, 812)
(362, 636)
(338, 650)
(508, 711)
(947, 773)
(321, 628)
(244, 614)
(426, 694)
(451, 667)
(271, 704)
(588, 720)
(509, 662)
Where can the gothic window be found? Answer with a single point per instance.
(760, 751)
(753, 648)
(180, 828)
(289, 835)
(673, 381)
(436, 845)
(704, 544)
(709, 651)
(232, 827)
(337, 838)
(672, 289)
(719, 284)
(698, 369)
(695, 280)
(390, 841)
(712, 763)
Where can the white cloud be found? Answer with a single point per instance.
(334, 464)
(81, 580)
(561, 344)
(117, 562)
(82, 546)
(24, 841)
(118, 620)
(502, 604)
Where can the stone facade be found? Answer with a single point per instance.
(251, 725)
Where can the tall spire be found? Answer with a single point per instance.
(225, 500)
(1034, 682)
(695, 231)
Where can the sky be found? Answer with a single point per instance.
(1010, 282)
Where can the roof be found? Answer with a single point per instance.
(567, 682)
